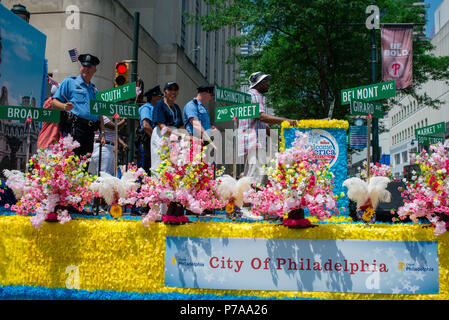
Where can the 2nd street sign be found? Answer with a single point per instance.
(427, 140)
(371, 92)
(125, 92)
(23, 113)
(432, 129)
(358, 107)
(124, 110)
(240, 111)
(231, 96)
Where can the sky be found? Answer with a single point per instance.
(429, 16)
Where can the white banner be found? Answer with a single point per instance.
(392, 267)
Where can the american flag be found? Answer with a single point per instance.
(74, 54)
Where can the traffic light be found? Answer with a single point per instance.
(121, 74)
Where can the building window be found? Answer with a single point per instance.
(183, 23)
(404, 156)
(197, 34)
(397, 158)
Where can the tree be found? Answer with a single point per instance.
(313, 49)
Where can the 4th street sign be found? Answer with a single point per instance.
(240, 111)
(358, 107)
(124, 110)
(231, 96)
(125, 92)
(23, 113)
(371, 92)
(430, 130)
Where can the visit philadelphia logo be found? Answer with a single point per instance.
(184, 262)
(403, 266)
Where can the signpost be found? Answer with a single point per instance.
(125, 92)
(239, 111)
(242, 108)
(231, 96)
(24, 113)
(109, 109)
(377, 91)
(427, 140)
(432, 129)
(358, 107)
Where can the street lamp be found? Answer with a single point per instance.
(21, 11)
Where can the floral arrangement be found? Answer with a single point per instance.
(183, 179)
(56, 178)
(376, 170)
(296, 181)
(426, 194)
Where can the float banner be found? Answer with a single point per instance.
(397, 54)
(359, 266)
(330, 145)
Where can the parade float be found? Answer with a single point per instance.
(130, 257)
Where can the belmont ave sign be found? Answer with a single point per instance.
(125, 92)
(358, 107)
(24, 113)
(124, 110)
(371, 92)
(231, 96)
(240, 111)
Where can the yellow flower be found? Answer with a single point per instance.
(116, 211)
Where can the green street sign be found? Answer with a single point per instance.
(358, 107)
(125, 92)
(439, 127)
(240, 111)
(124, 110)
(231, 96)
(427, 140)
(23, 113)
(371, 92)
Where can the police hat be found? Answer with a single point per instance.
(156, 91)
(171, 83)
(206, 88)
(88, 60)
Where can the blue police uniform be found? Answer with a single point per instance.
(195, 109)
(81, 124)
(170, 116)
(79, 93)
(146, 112)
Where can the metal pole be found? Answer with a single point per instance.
(368, 151)
(375, 121)
(116, 144)
(234, 145)
(133, 78)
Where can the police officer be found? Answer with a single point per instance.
(146, 126)
(73, 96)
(196, 116)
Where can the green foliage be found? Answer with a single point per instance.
(313, 49)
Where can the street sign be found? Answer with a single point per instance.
(371, 92)
(432, 129)
(427, 140)
(125, 92)
(358, 137)
(231, 96)
(358, 107)
(124, 110)
(23, 113)
(239, 111)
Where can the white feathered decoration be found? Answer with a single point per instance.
(15, 181)
(368, 194)
(232, 190)
(111, 188)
